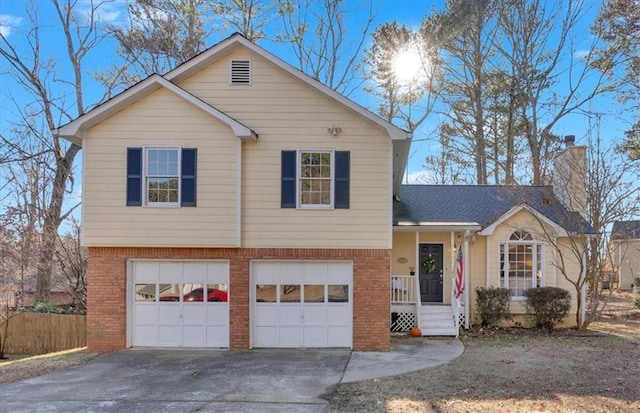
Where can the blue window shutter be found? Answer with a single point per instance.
(188, 184)
(134, 176)
(288, 190)
(341, 196)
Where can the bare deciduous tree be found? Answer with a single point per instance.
(612, 194)
(47, 84)
(326, 41)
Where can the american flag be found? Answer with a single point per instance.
(459, 288)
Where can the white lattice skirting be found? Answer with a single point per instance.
(402, 321)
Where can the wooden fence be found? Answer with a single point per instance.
(36, 333)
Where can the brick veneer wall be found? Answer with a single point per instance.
(107, 278)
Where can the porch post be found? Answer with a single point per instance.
(466, 279)
(416, 280)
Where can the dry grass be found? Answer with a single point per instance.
(520, 370)
(20, 367)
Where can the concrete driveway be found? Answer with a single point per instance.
(185, 381)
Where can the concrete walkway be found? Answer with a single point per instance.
(187, 380)
(406, 355)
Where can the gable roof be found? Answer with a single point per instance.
(74, 130)
(482, 205)
(625, 230)
(400, 138)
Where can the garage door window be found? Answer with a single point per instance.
(338, 293)
(145, 292)
(289, 293)
(314, 293)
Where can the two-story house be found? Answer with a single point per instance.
(235, 202)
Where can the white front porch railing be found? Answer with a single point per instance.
(403, 289)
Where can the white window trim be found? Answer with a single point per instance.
(299, 203)
(145, 185)
(504, 247)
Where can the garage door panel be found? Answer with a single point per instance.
(193, 336)
(169, 313)
(339, 336)
(335, 315)
(289, 315)
(315, 273)
(145, 314)
(311, 296)
(266, 273)
(315, 314)
(193, 314)
(290, 336)
(194, 272)
(169, 336)
(218, 336)
(146, 272)
(146, 335)
(265, 314)
(178, 323)
(170, 272)
(267, 336)
(315, 336)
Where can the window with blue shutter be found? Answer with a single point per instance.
(188, 187)
(341, 185)
(308, 178)
(134, 176)
(155, 175)
(288, 189)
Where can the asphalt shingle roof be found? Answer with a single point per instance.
(625, 230)
(482, 204)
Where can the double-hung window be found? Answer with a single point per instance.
(162, 180)
(315, 179)
(521, 263)
(159, 176)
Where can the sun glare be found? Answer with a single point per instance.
(407, 65)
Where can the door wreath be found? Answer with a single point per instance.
(429, 265)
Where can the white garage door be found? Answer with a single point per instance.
(302, 304)
(170, 307)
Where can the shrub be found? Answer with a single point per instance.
(638, 302)
(636, 282)
(493, 305)
(547, 306)
(43, 307)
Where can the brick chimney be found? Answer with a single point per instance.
(569, 176)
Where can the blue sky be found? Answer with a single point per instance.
(13, 19)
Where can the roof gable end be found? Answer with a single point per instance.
(75, 129)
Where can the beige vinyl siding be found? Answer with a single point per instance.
(626, 262)
(160, 119)
(289, 115)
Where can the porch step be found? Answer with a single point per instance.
(437, 320)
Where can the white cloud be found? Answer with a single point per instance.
(581, 54)
(417, 177)
(108, 13)
(8, 23)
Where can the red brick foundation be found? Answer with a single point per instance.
(107, 278)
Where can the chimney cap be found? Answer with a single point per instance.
(569, 140)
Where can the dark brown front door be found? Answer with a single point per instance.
(430, 273)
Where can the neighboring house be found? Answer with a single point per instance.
(238, 174)
(625, 251)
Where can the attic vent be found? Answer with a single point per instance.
(240, 72)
